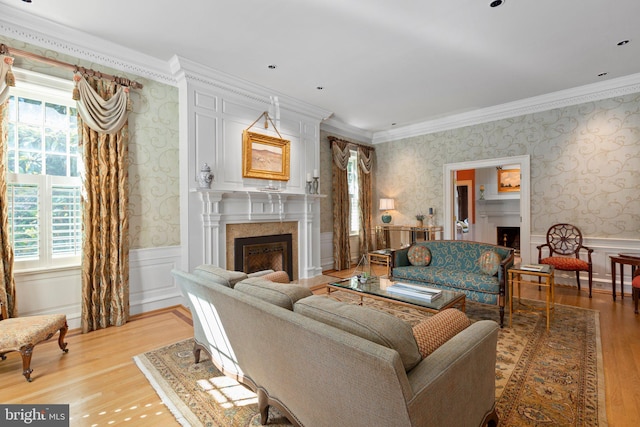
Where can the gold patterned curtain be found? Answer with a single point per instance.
(341, 246)
(105, 250)
(365, 167)
(7, 284)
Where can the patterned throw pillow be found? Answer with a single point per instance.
(419, 255)
(489, 262)
(277, 276)
(431, 333)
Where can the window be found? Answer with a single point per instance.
(43, 177)
(354, 197)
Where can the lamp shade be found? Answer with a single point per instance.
(386, 204)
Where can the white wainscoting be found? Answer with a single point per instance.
(151, 286)
(602, 249)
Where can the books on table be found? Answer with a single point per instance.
(415, 291)
(533, 267)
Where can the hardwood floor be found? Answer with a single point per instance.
(103, 386)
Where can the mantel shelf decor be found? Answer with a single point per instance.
(265, 156)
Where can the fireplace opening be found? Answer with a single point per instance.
(264, 253)
(509, 237)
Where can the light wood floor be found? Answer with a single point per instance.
(103, 386)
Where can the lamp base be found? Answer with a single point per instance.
(386, 218)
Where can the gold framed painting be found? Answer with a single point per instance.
(508, 180)
(264, 156)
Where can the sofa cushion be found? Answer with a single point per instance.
(371, 324)
(431, 333)
(489, 262)
(219, 275)
(280, 294)
(419, 255)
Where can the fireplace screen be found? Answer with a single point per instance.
(264, 253)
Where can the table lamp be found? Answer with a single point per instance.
(386, 205)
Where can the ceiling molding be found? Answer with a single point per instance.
(183, 68)
(340, 128)
(579, 95)
(18, 25)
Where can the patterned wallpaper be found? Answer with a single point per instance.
(153, 150)
(585, 165)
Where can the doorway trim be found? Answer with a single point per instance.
(525, 195)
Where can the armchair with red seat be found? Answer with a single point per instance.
(635, 289)
(564, 244)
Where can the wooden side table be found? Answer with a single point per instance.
(381, 257)
(632, 259)
(545, 279)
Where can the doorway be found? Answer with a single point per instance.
(463, 210)
(450, 196)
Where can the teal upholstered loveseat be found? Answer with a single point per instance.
(456, 265)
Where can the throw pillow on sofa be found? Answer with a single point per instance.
(368, 323)
(489, 262)
(431, 333)
(419, 255)
(277, 276)
(281, 294)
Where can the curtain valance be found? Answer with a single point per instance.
(106, 116)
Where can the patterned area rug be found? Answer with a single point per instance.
(545, 378)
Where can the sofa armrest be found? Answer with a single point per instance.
(400, 258)
(462, 369)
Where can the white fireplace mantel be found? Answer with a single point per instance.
(220, 208)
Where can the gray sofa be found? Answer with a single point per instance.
(461, 266)
(275, 338)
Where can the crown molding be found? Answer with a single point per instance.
(184, 69)
(332, 125)
(565, 98)
(19, 25)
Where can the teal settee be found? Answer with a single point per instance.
(455, 265)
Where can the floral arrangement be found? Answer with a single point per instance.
(420, 216)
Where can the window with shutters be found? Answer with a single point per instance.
(43, 177)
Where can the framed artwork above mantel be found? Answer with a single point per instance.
(265, 156)
(508, 180)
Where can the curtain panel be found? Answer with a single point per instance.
(341, 245)
(365, 168)
(105, 250)
(7, 286)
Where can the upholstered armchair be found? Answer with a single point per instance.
(22, 334)
(564, 246)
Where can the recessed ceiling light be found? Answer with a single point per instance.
(272, 66)
(27, 1)
(623, 42)
(496, 3)
(319, 87)
(602, 74)
(393, 124)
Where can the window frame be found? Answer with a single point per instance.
(47, 89)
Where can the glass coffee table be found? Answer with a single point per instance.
(375, 288)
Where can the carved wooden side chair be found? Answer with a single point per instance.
(24, 333)
(564, 245)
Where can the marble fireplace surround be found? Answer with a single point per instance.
(261, 229)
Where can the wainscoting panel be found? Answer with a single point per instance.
(151, 286)
(602, 249)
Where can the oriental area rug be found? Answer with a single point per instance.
(543, 378)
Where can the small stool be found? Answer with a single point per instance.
(635, 289)
(24, 333)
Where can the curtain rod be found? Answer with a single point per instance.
(335, 138)
(6, 50)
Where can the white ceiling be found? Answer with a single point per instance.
(379, 62)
